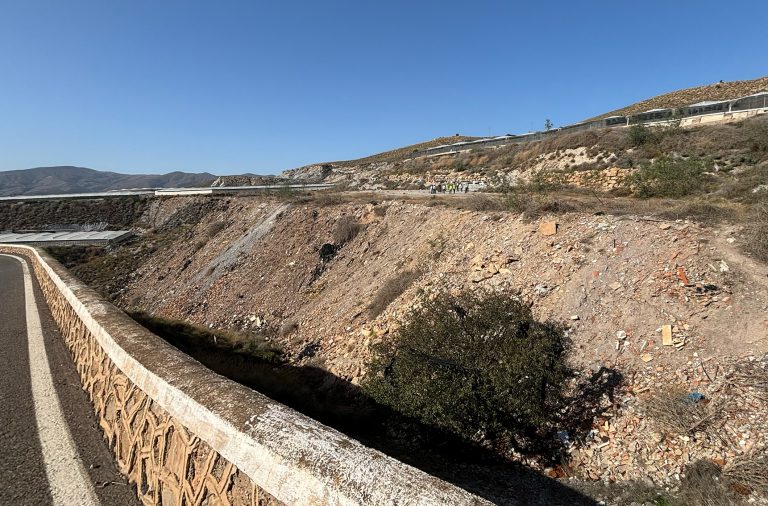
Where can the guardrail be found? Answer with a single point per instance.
(185, 435)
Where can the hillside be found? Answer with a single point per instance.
(319, 172)
(266, 266)
(403, 152)
(67, 179)
(647, 246)
(679, 98)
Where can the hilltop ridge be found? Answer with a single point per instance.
(69, 179)
(687, 96)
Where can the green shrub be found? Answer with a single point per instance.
(640, 135)
(545, 181)
(479, 366)
(669, 177)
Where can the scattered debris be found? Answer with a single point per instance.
(548, 228)
(666, 335)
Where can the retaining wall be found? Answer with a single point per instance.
(185, 435)
(721, 117)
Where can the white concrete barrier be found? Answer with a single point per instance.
(183, 434)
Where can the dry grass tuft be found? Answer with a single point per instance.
(751, 377)
(390, 290)
(676, 413)
(345, 229)
(703, 485)
(758, 232)
(748, 474)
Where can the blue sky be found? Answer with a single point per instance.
(247, 86)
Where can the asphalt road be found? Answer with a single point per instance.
(51, 447)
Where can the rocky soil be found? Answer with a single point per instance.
(664, 305)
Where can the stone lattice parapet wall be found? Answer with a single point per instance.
(185, 435)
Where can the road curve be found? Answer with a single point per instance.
(51, 448)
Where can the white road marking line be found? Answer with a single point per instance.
(69, 482)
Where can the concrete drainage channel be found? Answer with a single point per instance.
(185, 435)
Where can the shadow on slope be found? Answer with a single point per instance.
(339, 404)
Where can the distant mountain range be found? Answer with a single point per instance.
(64, 179)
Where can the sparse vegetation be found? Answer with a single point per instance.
(120, 213)
(187, 335)
(390, 290)
(757, 231)
(681, 413)
(214, 228)
(670, 177)
(477, 365)
(748, 473)
(345, 229)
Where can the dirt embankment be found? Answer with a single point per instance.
(259, 263)
(659, 303)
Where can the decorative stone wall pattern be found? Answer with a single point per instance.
(166, 463)
(185, 436)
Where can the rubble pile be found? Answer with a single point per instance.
(628, 444)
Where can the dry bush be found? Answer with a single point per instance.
(327, 199)
(345, 229)
(702, 210)
(756, 136)
(741, 186)
(703, 485)
(748, 473)
(751, 377)
(72, 256)
(437, 246)
(757, 232)
(482, 203)
(214, 228)
(390, 290)
(198, 245)
(613, 139)
(676, 413)
(539, 206)
(288, 327)
(571, 140)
